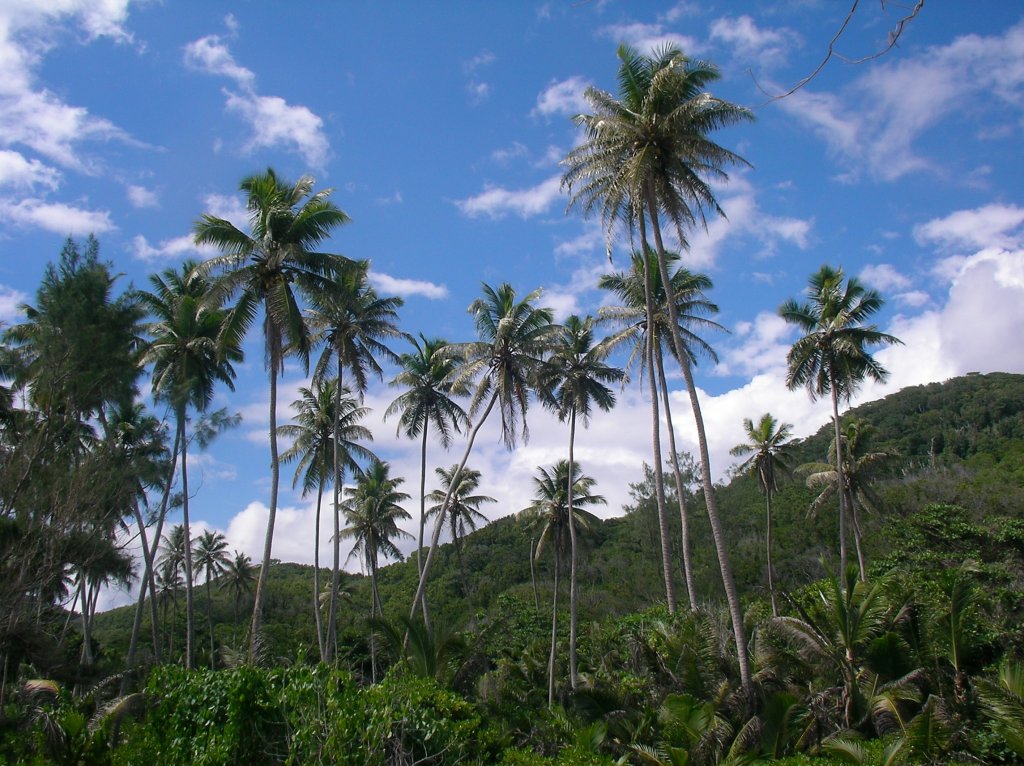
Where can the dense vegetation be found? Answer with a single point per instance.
(710, 624)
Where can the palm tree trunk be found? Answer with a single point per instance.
(768, 546)
(573, 554)
(423, 497)
(321, 643)
(533, 579)
(209, 620)
(161, 516)
(554, 630)
(332, 611)
(659, 475)
(373, 613)
(857, 536)
(189, 605)
(728, 580)
(133, 642)
(840, 482)
(684, 519)
(420, 598)
(268, 543)
(87, 658)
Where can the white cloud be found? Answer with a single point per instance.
(56, 217)
(169, 249)
(883, 276)
(10, 300)
(989, 226)
(563, 97)
(647, 38)
(760, 347)
(390, 285)
(230, 208)
(20, 173)
(142, 197)
(875, 124)
(764, 47)
(272, 120)
(497, 202)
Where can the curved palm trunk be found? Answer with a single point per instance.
(150, 561)
(420, 597)
(728, 580)
(659, 475)
(840, 483)
(684, 518)
(268, 543)
(768, 544)
(190, 627)
(554, 630)
(321, 643)
(133, 642)
(332, 611)
(858, 536)
(573, 555)
(533, 578)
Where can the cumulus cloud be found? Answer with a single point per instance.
(390, 285)
(563, 97)
(23, 174)
(272, 120)
(497, 202)
(762, 46)
(142, 197)
(10, 300)
(647, 38)
(884, 276)
(992, 225)
(57, 217)
(169, 249)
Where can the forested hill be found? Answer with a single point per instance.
(959, 444)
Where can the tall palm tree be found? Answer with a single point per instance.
(463, 508)
(372, 510)
(502, 368)
(832, 356)
(426, 377)
(190, 356)
(353, 323)
(768, 444)
(633, 316)
(238, 577)
(861, 469)
(270, 267)
(211, 560)
(648, 154)
(573, 382)
(555, 514)
(314, 433)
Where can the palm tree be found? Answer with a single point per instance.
(169, 576)
(238, 577)
(513, 338)
(426, 376)
(768, 444)
(572, 382)
(463, 509)
(189, 356)
(352, 322)
(372, 510)
(693, 309)
(860, 471)
(313, 435)
(271, 266)
(832, 355)
(649, 154)
(550, 511)
(211, 559)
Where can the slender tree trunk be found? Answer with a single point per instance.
(190, 650)
(533, 578)
(768, 544)
(659, 475)
(573, 554)
(728, 580)
(456, 541)
(209, 620)
(420, 597)
(256, 626)
(554, 630)
(857, 536)
(332, 611)
(684, 519)
(321, 642)
(423, 497)
(373, 613)
(147, 557)
(840, 482)
(87, 656)
(157, 533)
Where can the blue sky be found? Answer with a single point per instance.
(440, 127)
